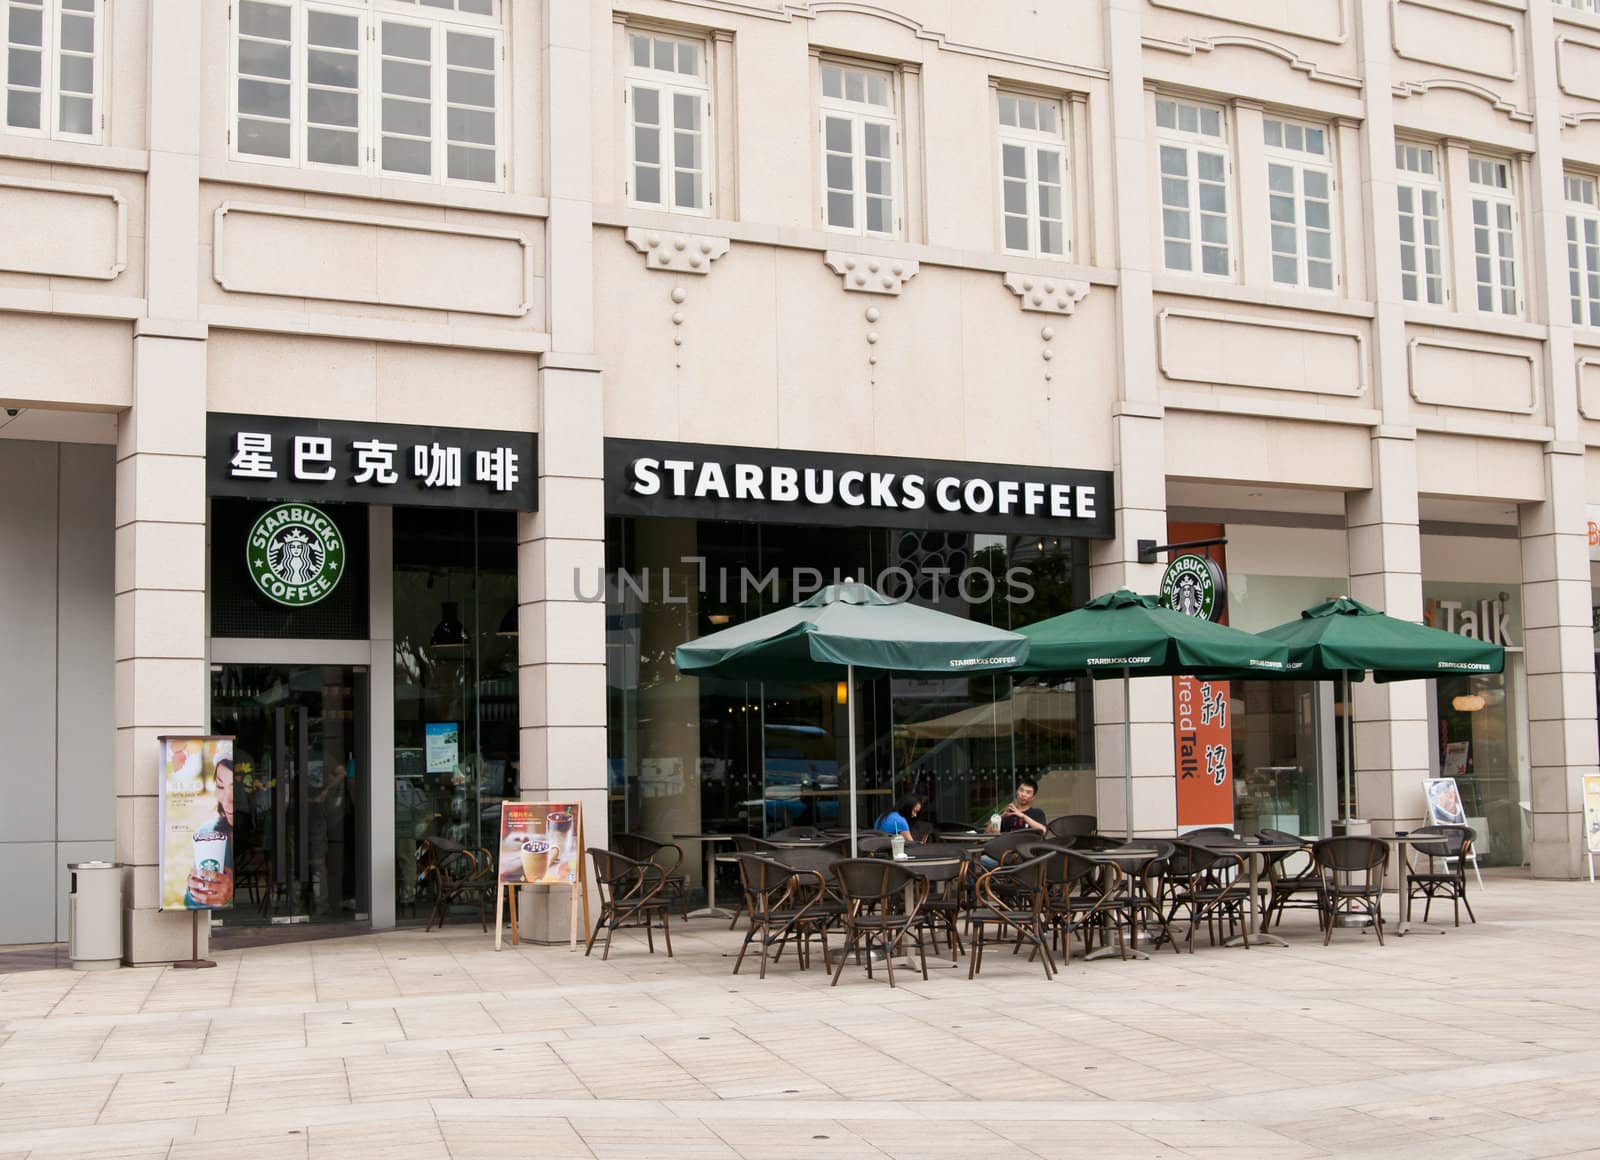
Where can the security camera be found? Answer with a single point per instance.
(13, 411)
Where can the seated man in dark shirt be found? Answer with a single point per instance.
(1022, 814)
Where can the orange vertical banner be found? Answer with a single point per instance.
(1203, 749)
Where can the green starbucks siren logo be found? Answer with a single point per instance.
(1193, 585)
(295, 554)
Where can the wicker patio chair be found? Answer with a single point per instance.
(779, 906)
(459, 874)
(1443, 872)
(1210, 885)
(1352, 870)
(630, 895)
(877, 910)
(1012, 899)
(1287, 887)
(1071, 826)
(667, 855)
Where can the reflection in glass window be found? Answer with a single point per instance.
(711, 754)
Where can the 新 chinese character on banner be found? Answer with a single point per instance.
(1203, 749)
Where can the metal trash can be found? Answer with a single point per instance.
(94, 916)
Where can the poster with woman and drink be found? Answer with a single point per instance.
(196, 820)
(540, 842)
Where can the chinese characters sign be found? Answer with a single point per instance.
(1201, 737)
(277, 457)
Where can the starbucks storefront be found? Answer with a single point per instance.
(363, 653)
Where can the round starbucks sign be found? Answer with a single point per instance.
(295, 554)
(1193, 585)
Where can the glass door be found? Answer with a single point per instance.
(300, 767)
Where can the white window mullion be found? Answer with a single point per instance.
(76, 51)
(335, 65)
(860, 146)
(1583, 249)
(265, 77)
(669, 121)
(27, 61)
(408, 84)
(1196, 219)
(470, 105)
(1494, 226)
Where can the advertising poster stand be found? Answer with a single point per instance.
(541, 844)
(195, 823)
(1591, 818)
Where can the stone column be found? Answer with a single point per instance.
(561, 548)
(1391, 720)
(160, 605)
(562, 633)
(1555, 564)
(160, 614)
(1381, 530)
(1139, 452)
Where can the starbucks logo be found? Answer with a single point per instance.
(1193, 585)
(295, 554)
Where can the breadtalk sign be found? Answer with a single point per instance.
(295, 554)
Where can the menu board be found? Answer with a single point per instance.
(196, 822)
(540, 842)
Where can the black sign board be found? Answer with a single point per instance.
(647, 478)
(329, 461)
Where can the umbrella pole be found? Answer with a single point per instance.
(1349, 749)
(1127, 753)
(850, 710)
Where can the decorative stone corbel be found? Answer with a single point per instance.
(1047, 295)
(869, 273)
(677, 253)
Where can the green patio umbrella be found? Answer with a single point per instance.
(845, 627)
(1344, 638)
(1123, 634)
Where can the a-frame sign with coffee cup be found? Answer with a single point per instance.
(541, 844)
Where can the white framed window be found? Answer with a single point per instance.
(1420, 190)
(1033, 176)
(1494, 234)
(1196, 229)
(1300, 203)
(1581, 5)
(388, 87)
(860, 150)
(54, 68)
(1583, 249)
(668, 97)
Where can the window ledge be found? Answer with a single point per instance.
(822, 241)
(371, 188)
(1475, 322)
(74, 153)
(1262, 296)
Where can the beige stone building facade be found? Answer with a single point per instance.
(1324, 283)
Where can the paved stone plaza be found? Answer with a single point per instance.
(1481, 1042)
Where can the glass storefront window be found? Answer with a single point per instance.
(708, 754)
(455, 683)
(1479, 746)
(1277, 757)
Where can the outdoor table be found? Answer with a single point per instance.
(912, 861)
(1399, 843)
(965, 836)
(1118, 855)
(1256, 854)
(709, 842)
